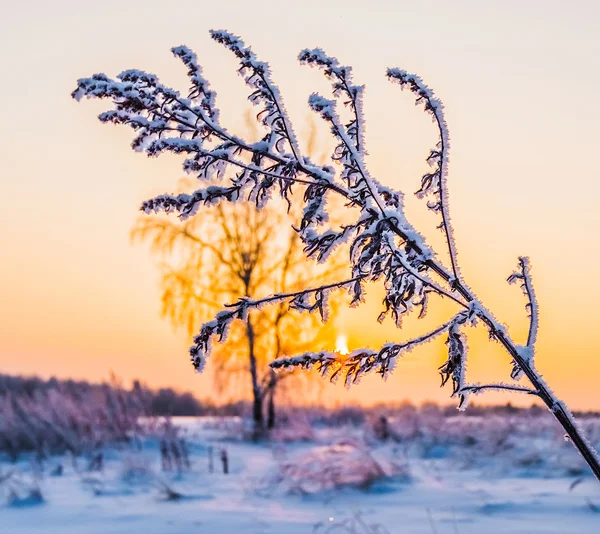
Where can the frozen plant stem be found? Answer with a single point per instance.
(383, 245)
(557, 407)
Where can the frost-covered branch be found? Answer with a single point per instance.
(433, 183)
(362, 361)
(524, 277)
(382, 245)
(455, 366)
(360, 183)
(341, 80)
(297, 300)
(164, 121)
(478, 388)
(257, 75)
(350, 150)
(401, 256)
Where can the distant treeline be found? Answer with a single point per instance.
(56, 416)
(151, 402)
(169, 402)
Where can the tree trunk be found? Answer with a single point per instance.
(271, 406)
(257, 412)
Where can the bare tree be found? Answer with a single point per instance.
(235, 252)
(384, 246)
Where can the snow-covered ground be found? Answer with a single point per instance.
(414, 486)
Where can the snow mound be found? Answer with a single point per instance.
(329, 467)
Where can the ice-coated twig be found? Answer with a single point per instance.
(477, 388)
(454, 367)
(341, 80)
(524, 276)
(383, 245)
(200, 87)
(297, 300)
(434, 182)
(358, 179)
(401, 257)
(465, 391)
(350, 150)
(258, 76)
(362, 361)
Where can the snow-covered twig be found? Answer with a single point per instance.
(477, 388)
(257, 75)
(434, 182)
(363, 361)
(524, 275)
(383, 245)
(341, 81)
(297, 300)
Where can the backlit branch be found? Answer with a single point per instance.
(478, 388)
(310, 300)
(257, 75)
(383, 246)
(434, 182)
(523, 277)
(341, 81)
(361, 361)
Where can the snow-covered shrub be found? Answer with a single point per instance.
(382, 245)
(60, 419)
(329, 467)
(174, 449)
(526, 442)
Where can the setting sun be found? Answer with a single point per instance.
(341, 345)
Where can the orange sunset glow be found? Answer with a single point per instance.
(518, 80)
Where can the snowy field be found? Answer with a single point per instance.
(416, 475)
